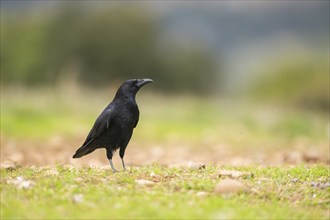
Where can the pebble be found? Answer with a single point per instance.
(235, 174)
(21, 183)
(8, 165)
(198, 166)
(78, 198)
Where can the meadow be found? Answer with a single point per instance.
(180, 159)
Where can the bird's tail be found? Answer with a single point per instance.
(84, 150)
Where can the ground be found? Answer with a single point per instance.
(154, 191)
(188, 158)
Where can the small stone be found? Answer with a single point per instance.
(229, 186)
(21, 183)
(78, 198)
(8, 165)
(152, 174)
(19, 179)
(27, 184)
(144, 182)
(198, 166)
(234, 174)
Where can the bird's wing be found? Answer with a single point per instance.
(102, 123)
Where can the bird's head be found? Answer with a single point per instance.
(130, 87)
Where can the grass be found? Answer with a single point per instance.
(274, 193)
(40, 114)
(29, 117)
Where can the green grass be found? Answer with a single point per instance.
(274, 193)
(40, 114)
(31, 117)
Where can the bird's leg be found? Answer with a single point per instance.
(122, 161)
(121, 154)
(113, 168)
(109, 156)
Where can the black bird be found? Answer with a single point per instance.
(113, 129)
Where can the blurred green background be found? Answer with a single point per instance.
(188, 47)
(248, 74)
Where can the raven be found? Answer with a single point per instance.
(113, 129)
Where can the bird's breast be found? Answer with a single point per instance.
(126, 118)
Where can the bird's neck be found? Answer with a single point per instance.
(125, 97)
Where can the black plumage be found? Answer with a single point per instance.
(113, 129)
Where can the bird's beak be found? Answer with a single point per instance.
(142, 82)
